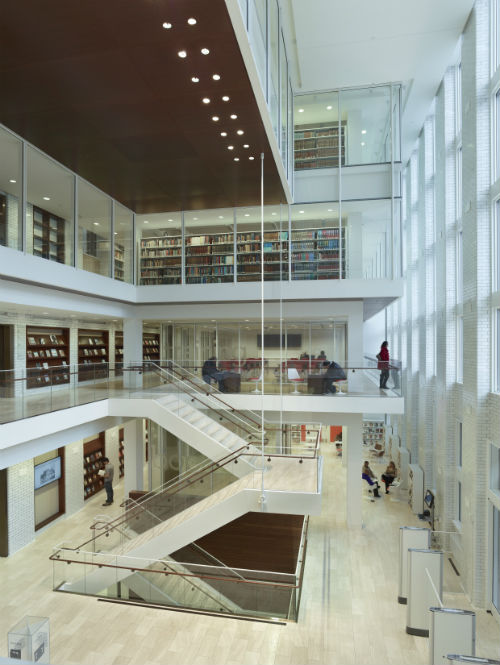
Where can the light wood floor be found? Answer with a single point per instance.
(349, 611)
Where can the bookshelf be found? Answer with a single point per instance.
(249, 256)
(118, 353)
(119, 262)
(374, 433)
(161, 260)
(318, 253)
(151, 346)
(47, 356)
(316, 146)
(209, 258)
(121, 458)
(93, 452)
(93, 350)
(48, 235)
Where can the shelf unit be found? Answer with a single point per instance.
(93, 350)
(210, 258)
(249, 256)
(316, 146)
(118, 353)
(151, 346)
(48, 235)
(93, 452)
(374, 433)
(119, 263)
(47, 355)
(121, 458)
(318, 253)
(161, 260)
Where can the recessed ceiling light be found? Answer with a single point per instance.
(216, 77)
(205, 51)
(12, 180)
(247, 214)
(206, 100)
(146, 221)
(233, 116)
(195, 79)
(215, 118)
(230, 147)
(223, 133)
(363, 143)
(46, 198)
(195, 219)
(182, 54)
(246, 145)
(96, 223)
(116, 233)
(240, 132)
(225, 98)
(330, 210)
(301, 212)
(167, 25)
(192, 21)
(221, 216)
(170, 220)
(274, 213)
(363, 131)
(236, 159)
(251, 158)
(329, 108)
(301, 110)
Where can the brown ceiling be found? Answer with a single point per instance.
(99, 86)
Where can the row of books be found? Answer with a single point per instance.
(48, 353)
(42, 341)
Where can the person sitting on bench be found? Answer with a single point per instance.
(389, 475)
(368, 475)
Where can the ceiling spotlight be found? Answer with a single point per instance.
(223, 133)
(195, 219)
(145, 221)
(116, 233)
(46, 198)
(182, 54)
(216, 77)
(301, 212)
(205, 51)
(167, 25)
(221, 216)
(301, 110)
(233, 116)
(247, 214)
(363, 131)
(96, 223)
(330, 209)
(170, 220)
(206, 100)
(329, 108)
(240, 132)
(12, 180)
(192, 21)
(195, 79)
(215, 118)
(251, 158)
(225, 98)
(245, 145)
(363, 143)
(236, 159)
(230, 147)
(274, 213)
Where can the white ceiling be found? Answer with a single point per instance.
(342, 43)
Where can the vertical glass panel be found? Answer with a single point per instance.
(494, 468)
(290, 136)
(250, 245)
(396, 245)
(316, 132)
(244, 11)
(495, 577)
(184, 344)
(273, 65)
(459, 455)
(396, 122)
(459, 183)
(367, 230)
(10, 190)
(283, 94)
(496, 143)
(257, 26)
(496, 33)
(318, 243)
(340, 342)
(209, 243)
(206, 341)
(49, 209)
(94, 230)
(459, 502)
(159, 247)
(498, 351)
(460, 349)
(497, 243)
(123, 244)
(460, 268)
(322, 345)
(365, 119)
(228, 345)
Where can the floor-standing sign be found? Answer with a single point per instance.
(409, 537)
(425, 588)
(452, 631)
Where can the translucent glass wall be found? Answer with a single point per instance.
(10, 190)
(94, 230)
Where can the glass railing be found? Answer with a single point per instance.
(34, 391)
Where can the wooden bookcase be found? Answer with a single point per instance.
(119, 262)
(210, 258)
(151, 346)
(93, 349)
(249, 256)
(118, 353)
(48, 235)
(317, 146)
(318, 253)
(93, 452)
(47, 356)
(161, 260)
(121, 458)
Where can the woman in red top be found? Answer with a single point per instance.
(383, 364)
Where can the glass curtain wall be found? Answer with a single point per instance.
(10, 191)
(123, 236)
(159, 248)
(209, 246)
(94, 230)
(318, 243)
(319, 137)
(250, 245)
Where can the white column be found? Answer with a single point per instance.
(353, 453)
(355, 346)
(133, 452)
(132, 350)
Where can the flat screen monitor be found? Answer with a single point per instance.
(429, 499)
(274, 341)
(47, 472)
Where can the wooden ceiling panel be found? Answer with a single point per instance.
(100, 87)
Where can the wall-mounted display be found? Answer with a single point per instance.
(47, 472)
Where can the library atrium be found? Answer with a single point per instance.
(250, 257)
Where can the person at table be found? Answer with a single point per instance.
(209, 370)
(334, 372)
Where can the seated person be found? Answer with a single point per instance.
(389, 475)
(209, 370)
(334, 372)
(368, 475)
(322, 355)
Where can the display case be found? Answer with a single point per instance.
(47, 356)
(48, 235)
(161, 260)
(318, 253)
(317, 146)
(93, 354)
(93, 453)
(250, 249)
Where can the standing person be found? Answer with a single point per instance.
(389, 475)
(209, 370)
(383, 364)
(109, 472)
(368, 475)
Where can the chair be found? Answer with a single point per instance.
(256, 379)
(294, 376)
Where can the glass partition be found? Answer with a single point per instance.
(396, 127)
(123, 244)
(49, 208)
(94, 230)
(366, 117)
(257, 28)
(250, 244)
(10, 190)
(318, 137)
(318, 249)
(283, 105)
(274, 78)
(367, 229)
(159, 248)
(209, 246)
